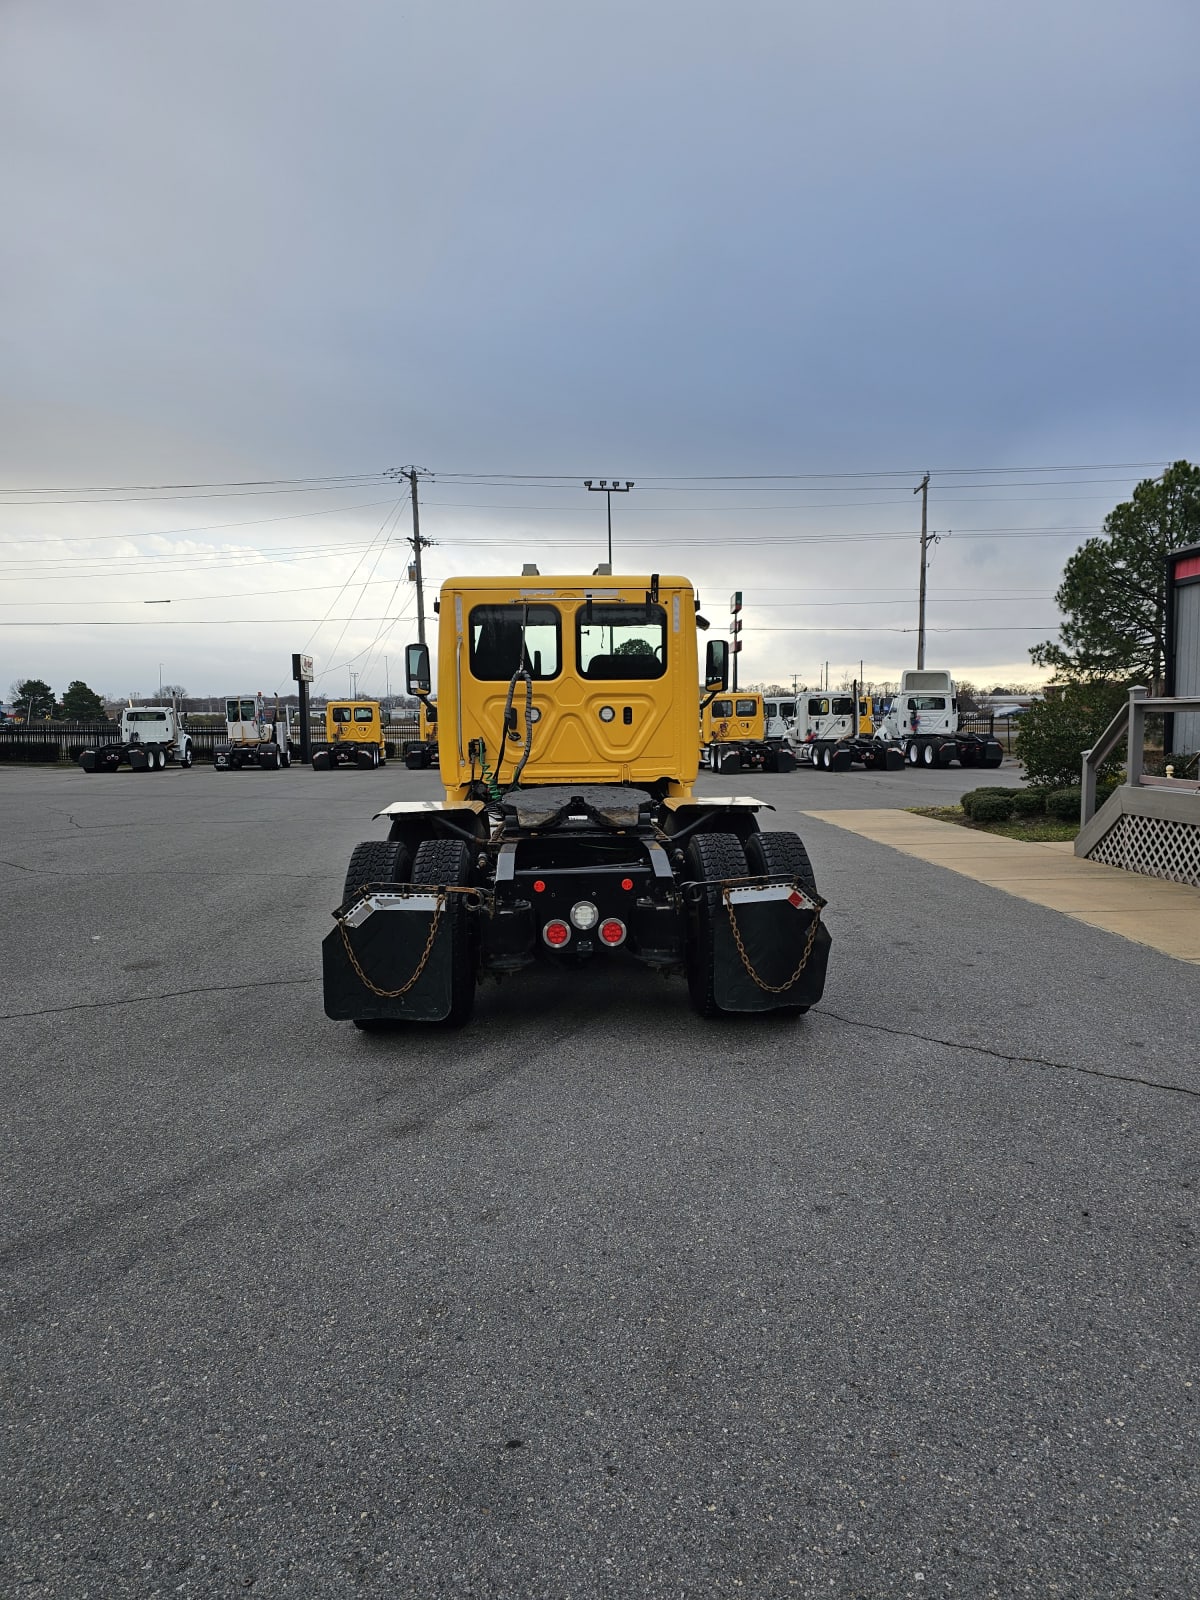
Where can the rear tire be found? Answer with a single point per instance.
(928, 756)
(447, 864)
(782, 854)
(376, 861)
(912, 753)
(708, 856)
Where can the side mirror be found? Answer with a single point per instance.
(716, 664)
(416, 668)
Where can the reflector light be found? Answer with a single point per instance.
(612, 931)
(556, 933)
(584, 915)
(539, 886)
(627, 883)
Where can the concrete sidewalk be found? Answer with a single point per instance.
(1149, 911)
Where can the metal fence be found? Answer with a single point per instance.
(1002, 728)
(50, 742)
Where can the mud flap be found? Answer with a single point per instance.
(895, 759)
(774, 924)
(389, 932)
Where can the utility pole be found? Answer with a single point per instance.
(923, 490)
(608, 490)
(418, 544)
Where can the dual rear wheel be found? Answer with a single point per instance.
(441, 863)
(715, 856)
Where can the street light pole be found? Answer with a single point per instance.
(608, 490)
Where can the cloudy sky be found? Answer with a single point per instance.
(769, 260)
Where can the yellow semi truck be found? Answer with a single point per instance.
(354, 736)
(733, 735)
(569, 831)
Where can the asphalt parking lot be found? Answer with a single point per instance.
(592, 1298)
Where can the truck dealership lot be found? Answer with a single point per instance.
(591, 1297)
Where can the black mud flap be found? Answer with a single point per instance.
(382, 945)
(895, 759)
(780, 931)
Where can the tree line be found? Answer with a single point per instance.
(33, 700)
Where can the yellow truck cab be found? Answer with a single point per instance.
(733, 735)
(568, 680)
(568, 723)
(729, 718)
(354, 734)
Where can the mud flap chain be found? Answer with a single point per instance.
(771, 988)
(435, 923)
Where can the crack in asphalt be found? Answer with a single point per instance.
(166, 994)
(1011, 1060)
(155, 872)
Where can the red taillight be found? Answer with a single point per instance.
(627, 883)
(539, 886)
(556, 933)
(612, 931)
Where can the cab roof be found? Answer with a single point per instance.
(551, 583)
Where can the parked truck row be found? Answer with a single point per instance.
(920, 728)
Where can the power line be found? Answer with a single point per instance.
(145, 499)
(212, 483)
(203, 527)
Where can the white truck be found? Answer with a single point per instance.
(828, 734)
(253, 736)
(778, 714)
(151, 736)
(923, 723)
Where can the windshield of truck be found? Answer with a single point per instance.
(239, 711)
(621, 641)
(927, 702)
(145, 716)
(506, 638)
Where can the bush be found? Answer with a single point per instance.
(1054, 733)
(969, 800)
(994, 806)
(1064, 804)
(1029, 802)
